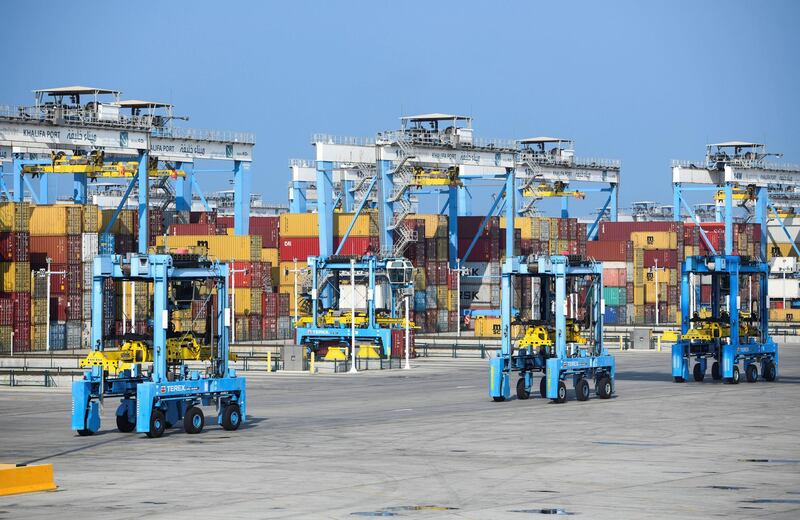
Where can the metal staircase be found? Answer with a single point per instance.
(533, 175)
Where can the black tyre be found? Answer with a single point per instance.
(605, 388)
(498, 399)
(124, 424)
(193, 421)
(562, 393)
(698, 372)
(157, 424)
(715, 373)
(543, 386)
(735, 379)
(522, 392)
(751, 373)
(231, 417)
(582, 390)
(85, 433)
(770, 371)
(678, 379)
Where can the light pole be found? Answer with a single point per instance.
(49, 273)
(353, 316)
(655, 271)
(408, 349)
(233, 271)
(458, 272)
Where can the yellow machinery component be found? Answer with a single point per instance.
(26, 479)
(95, 167)
(344, 318)
(738, 194)
(336, 354)
(436, 177)
(138, 352)
(368, 352)
(541, 336)
(557, 189)
(670, 336)
(706, 331)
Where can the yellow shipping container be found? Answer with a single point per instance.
(270, 254)
(420, 279)
(489, 327)
(91, 219)
(792, 315)
(442, 297)
(15, 216)
(650, 292)
(638, 295)
(49, 220)
(248, 301)
(366, 224)
(435, 225)
(524, 224)
(16, 276)
(224, 248)
(780, 249)
(654, 239)
(299, 225)
(285, 274)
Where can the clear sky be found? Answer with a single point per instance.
(640, 81)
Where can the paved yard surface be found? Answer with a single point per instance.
(429, 443)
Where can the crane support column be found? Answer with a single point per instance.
(44, 189)
(510, 211)
(297, 203)
(614, 196)
(241, 198)
(762, 201)
(728, 218)
(183, 187)
(325, 207)
(348, 200)
(79, 188)
(464, 200)
(452, 224)
(144, 199)
(384, 172)
(19, 187)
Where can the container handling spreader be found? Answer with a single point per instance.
(733, 332)
(563, 338)
(155, 381)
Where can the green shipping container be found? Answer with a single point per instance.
(615, 296)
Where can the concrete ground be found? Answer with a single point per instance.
(429, 443)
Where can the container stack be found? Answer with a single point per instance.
(429, 255)
(15, 272)
(247, 282)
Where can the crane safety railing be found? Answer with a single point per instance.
(738, 163)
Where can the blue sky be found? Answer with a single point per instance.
(643, 82)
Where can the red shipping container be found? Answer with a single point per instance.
(74, 278)
(74, 249)
(192, 229)
(14, 247)
(299, 248)
(40, 248)
(241, 274)
(22, 307)
(398, 349)
(6, 309)
(705, 294)
(358, 245)
(468, 226)
(283, 304)
(665, 257)
(269, 305)
(58, 307)
(203, 217)
(266, 227)
(124, 244)
(442, 272)
(481, 252)
(74, 309)
(607, 250)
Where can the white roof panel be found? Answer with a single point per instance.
(736, 143)
(543, 139)
(77, 89)
(435, 116)
(138, 103)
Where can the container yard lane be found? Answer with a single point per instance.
(429, 443)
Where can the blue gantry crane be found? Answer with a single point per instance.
(369, 287)
(157, 387)
(561, 341)
(735, 332)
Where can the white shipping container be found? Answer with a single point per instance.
(614, 265)
(481, 272)
(779, 288)
(88, 246)
(783, 264)
(480, 295)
